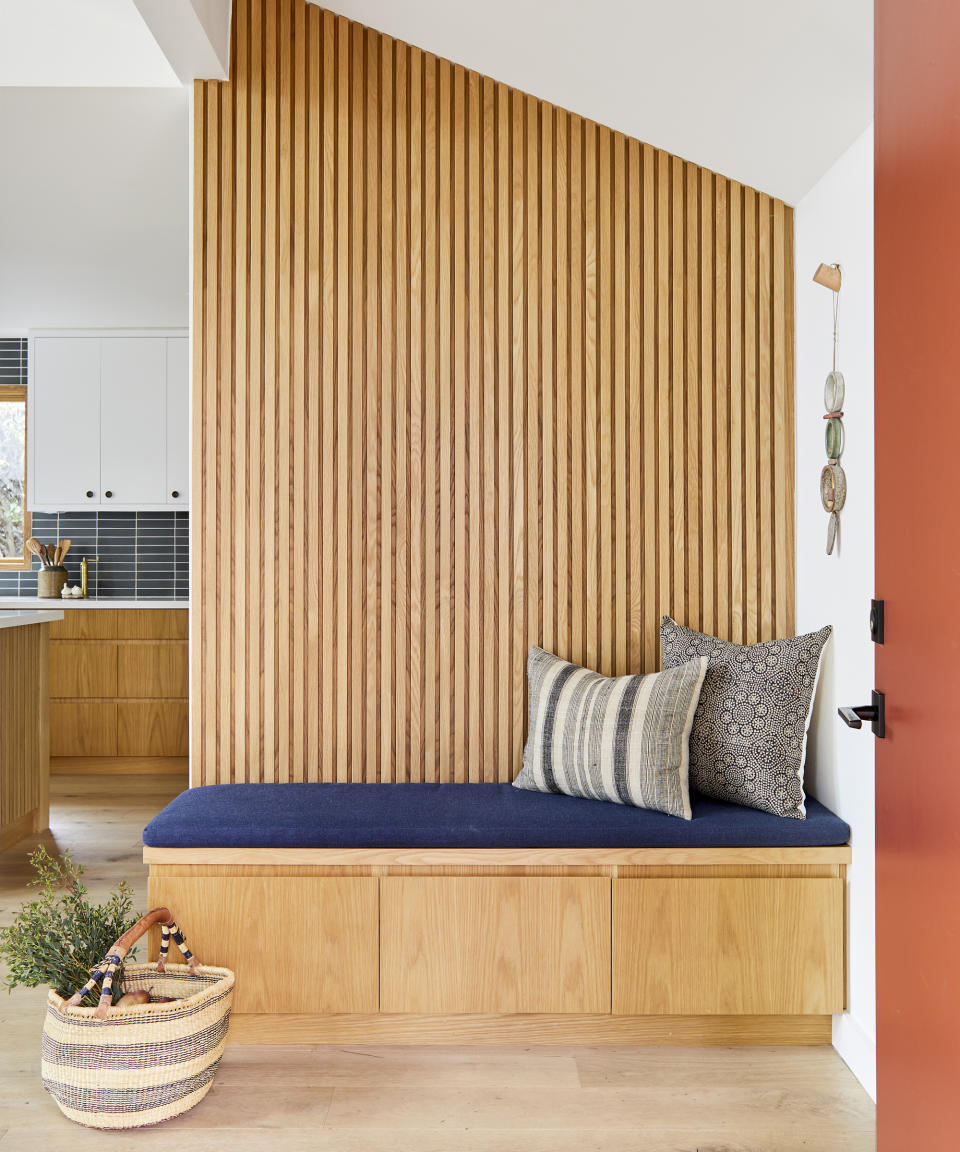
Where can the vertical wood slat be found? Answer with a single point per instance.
(470, 373)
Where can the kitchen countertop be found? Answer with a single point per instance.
(20, 619)
(56, 603)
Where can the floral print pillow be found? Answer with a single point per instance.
(750, 729)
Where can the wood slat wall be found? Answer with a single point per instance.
(470, 373)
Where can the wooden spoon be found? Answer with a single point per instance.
(34, 545)
(64, 549)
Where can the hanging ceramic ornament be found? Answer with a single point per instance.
(833, 479)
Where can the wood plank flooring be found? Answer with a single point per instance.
(303, 1098)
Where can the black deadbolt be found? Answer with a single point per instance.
(876, 621)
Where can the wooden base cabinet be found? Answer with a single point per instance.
(119, 683)
(728, 946)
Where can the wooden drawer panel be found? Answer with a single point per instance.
(495, 944)
(121, 624)
(83, 728)
(322, 933)
(728, 946)
(86, 624)
(79, 671)
(152, 728)
(153, 670)
(153, 624)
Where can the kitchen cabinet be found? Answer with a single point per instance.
(177, 489)
(132, 421)
(108, 420)
(63, 421)
(118, 685)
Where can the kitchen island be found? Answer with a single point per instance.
(24, 723)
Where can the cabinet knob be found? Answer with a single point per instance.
(174, 494)
(108, 494)
(89, 494)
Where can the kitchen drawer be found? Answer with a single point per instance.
(153, 670)
(152, 728)
(83, 670)
(83, 728)
(86, 624)
(153, 624)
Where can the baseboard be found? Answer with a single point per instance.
(118, 765)
(250, 1028)
(858, 1050)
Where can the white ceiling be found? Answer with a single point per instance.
(79, 43)
(112, 43)
(769, 92)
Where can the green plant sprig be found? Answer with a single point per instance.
(57, 938)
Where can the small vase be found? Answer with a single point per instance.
(50, 581)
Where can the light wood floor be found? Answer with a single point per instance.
(326, 1099)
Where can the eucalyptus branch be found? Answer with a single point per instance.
(60, 935)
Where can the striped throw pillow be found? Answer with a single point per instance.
(624, 739)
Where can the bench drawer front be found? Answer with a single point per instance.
(297, 944)
(495, 944)
(728, 946)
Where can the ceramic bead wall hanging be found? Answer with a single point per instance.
(833, 479)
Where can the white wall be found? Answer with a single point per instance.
(94, 207)
(834, 223)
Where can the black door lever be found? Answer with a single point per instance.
(874, 712)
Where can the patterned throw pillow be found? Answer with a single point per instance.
(624, 739)
(750, 731)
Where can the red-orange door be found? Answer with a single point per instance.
(918, 572)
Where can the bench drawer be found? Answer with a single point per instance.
(728, 946)
(297, 944)
(495, 944)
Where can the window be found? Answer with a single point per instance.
(14, 517)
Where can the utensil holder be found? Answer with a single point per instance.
(50, 581)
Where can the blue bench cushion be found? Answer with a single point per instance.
(462, 816)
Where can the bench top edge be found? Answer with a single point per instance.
(497, 857)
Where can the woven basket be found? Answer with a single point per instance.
(111, 1067)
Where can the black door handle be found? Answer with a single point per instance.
(874, 712)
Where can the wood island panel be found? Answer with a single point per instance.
(24, 732)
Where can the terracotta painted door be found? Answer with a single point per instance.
(918, 572)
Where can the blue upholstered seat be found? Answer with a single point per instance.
(462, 816)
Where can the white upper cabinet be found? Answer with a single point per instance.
(133, 421)
(63, 456)
(108, 419)
(177, 489)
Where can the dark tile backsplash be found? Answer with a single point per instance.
(13, 360)
(131, 555)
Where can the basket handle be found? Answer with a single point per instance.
(114, 958)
